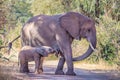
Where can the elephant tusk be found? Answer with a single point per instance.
(92, 46)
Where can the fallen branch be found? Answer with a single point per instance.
(3, 47)
(15, 39)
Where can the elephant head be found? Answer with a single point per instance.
(45, 50)
(79, 26)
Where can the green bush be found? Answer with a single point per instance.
(108, 52)
(108, 36)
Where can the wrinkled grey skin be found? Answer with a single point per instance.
(28, 54)
(60, 30)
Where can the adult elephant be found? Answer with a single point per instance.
(60, 30)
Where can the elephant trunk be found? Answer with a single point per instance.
(91, 48)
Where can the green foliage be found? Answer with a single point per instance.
(108, 52)
(87, 7)
(16, 12)
(108, 38)
(13, 34)
(46, 7)
(20, 11)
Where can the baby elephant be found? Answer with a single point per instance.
(28, 53)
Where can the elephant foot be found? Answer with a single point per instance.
(41, 70)
(59, 72)
(38, 71)
(70, 73)
(24, 71)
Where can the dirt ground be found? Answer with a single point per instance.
(83, 71)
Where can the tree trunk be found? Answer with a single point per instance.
(97, 8)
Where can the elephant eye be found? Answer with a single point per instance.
(89, 30)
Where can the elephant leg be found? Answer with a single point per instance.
(68, 58)
(67, 53)
(41, 65)
(21, 67)
(26, 67)
(60, 66)
(37, 64)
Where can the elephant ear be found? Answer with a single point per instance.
(70, 22)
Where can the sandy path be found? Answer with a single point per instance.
(49, 69)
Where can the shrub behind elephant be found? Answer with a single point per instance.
(28, 53)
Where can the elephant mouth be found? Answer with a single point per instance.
(78, 38)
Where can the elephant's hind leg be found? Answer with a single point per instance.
(25, 69)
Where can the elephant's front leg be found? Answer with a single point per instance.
(37, 64)
(41, 65)
(60, 66)
(68, 58)
(64, 43)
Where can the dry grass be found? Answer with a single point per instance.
(100, 66)
(5, 74)
(10, 71)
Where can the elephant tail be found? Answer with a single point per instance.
(10, 44)
(18, 61)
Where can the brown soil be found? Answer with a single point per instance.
(10, 71)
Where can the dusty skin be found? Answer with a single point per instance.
(49, 69)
